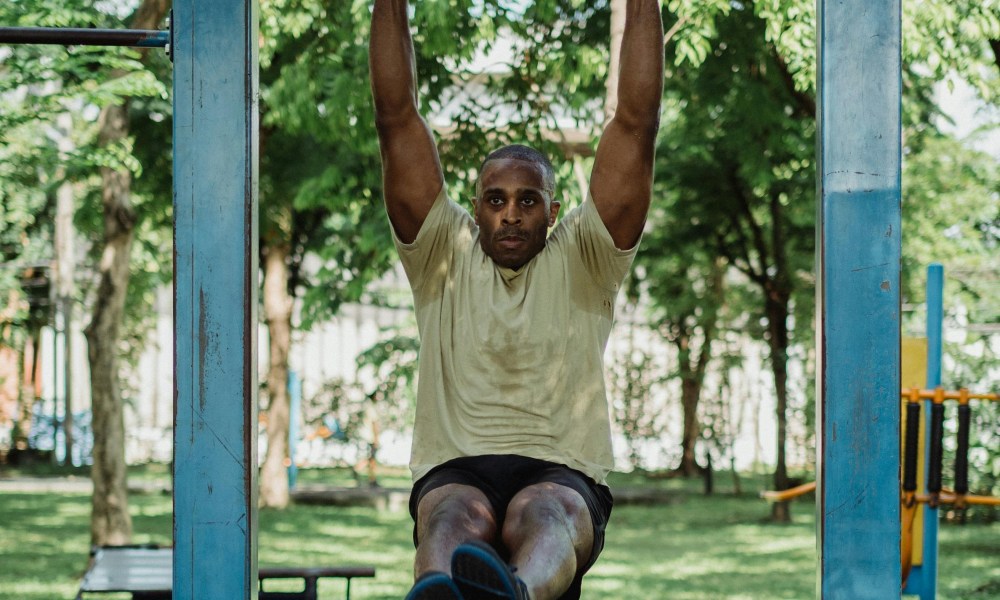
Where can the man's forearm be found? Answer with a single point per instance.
(391, 60)
(640, 83)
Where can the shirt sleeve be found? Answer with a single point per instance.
(584, 229)
(429, 255)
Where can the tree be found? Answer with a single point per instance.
(110, 520)
(319, 187)
(68, 79)
(738, 161)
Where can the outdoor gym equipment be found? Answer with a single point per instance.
(215, 90)
(70, 36)
(921, 486)
(858, 255)
(935, 493)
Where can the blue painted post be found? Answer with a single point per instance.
(215, 299)
(295, 399)
(858, 247)
(922, 580)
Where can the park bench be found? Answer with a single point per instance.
(147, 572)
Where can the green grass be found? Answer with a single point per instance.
(693, 547)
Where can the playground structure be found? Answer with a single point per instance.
(935, 494)
(921, 491)
(214, 49)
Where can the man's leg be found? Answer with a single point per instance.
(550, 534)
(447, 517)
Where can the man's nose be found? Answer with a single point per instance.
(511, 213)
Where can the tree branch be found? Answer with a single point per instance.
(805, 105)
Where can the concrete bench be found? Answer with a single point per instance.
(147, 572)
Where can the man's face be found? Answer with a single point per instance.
(512, 211)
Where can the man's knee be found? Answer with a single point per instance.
(458, 510)
(545, 505)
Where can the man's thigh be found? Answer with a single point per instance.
(500, 477)
(457, 506)
(597, 498)
(549, 502)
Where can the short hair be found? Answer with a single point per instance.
(527, 154)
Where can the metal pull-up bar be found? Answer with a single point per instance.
(68, 36)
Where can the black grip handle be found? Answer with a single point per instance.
(910, 446)
(937, 434)
(962, 453)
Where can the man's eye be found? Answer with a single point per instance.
(529, 201)
(495, 200)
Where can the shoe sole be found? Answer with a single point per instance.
(435, 587)
(481, 574)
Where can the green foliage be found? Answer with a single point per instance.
(942, 38)
(636, 380)
(45, 84)
(383, 393)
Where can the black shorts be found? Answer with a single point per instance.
(501, 476)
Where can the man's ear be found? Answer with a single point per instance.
(553, 212)
(475, 210)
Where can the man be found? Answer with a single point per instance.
(512, 436)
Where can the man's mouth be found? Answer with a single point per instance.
(510, 238)
(510, 241)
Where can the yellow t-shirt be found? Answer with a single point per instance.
(512, 362)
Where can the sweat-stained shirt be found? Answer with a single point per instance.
(512, 362)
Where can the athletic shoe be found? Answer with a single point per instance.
(481, 574)
(434, 586)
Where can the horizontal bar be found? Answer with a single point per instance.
(939, 394)
(783, 495)
(950, 498)
(67, 36)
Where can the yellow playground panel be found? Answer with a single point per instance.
(913, 374)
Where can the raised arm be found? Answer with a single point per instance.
(411, 168)
(622, 180)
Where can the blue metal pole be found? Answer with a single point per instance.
(923, 577)
(215, 303)
(858, 248)
(295, 398)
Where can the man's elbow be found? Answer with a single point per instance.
(393, 117)
(639, 122)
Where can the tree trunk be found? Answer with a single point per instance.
(373, 449)
(65, 267)
(777, 324)
(617, 32)
(278, 313)
(690, 395)
(29, 390)
(693, 368)
(110, 522)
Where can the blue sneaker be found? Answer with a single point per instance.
(434, 586)
(481, 574)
